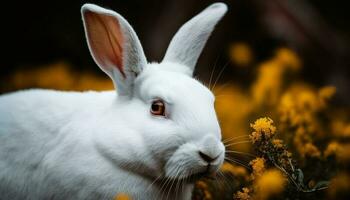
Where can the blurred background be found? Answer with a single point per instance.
(43, 42)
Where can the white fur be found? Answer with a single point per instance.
(94, 145)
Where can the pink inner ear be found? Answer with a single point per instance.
(106, 40)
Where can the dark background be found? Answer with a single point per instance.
(38, 33)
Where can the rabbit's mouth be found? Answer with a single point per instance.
(207, 174)
(197, 176)
(192, 178)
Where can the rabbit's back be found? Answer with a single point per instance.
(39, 115)
(36, 138)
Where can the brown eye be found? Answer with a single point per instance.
(158, 108)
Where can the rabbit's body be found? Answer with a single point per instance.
(150, 140)
(48, 157)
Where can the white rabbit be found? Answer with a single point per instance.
(150, 140)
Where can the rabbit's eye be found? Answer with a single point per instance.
(158, 108)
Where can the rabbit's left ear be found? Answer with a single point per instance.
(188, 42)
(114, 46)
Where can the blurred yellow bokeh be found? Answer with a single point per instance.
(241, 54)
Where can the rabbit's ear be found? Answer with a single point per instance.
(188, 42)
(114, 46)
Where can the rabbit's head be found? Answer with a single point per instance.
(172, 125)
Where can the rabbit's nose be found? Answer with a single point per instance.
(206, 157)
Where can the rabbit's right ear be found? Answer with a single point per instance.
(188, 42)
(114, 46)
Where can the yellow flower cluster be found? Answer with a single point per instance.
(263, 129)
(339, 150)
(258, 166)
(268, 86)
(299, 103)
(244, 195)
(325, 94)
(236, 106)
(277, 143)
(288, 58)
(341, 129)
(266, 182)
(299, 110)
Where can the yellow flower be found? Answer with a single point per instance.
(307, 100)
(298, 106)
(277, 143)
(310, 150)
(340, 129)
(288, 58)
(332, 149)
(263, 129)
(327, 92)
(341, 151)
(271, 183)
(258, 165)
(244, 195)
(267, 87)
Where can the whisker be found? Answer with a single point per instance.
(225, 182)
(213, 70)
(216, 178)
(178, 182)
(166, 182)
(235, 143)
(238, 162)
(234, 138)
(172, 182)
(177, 185)
(230, 175)
(243, 153)
(163, 190)
(162, 185)
(220, 73)
(153, 183)
(170, 187)
(186, 179)
(219, 180)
